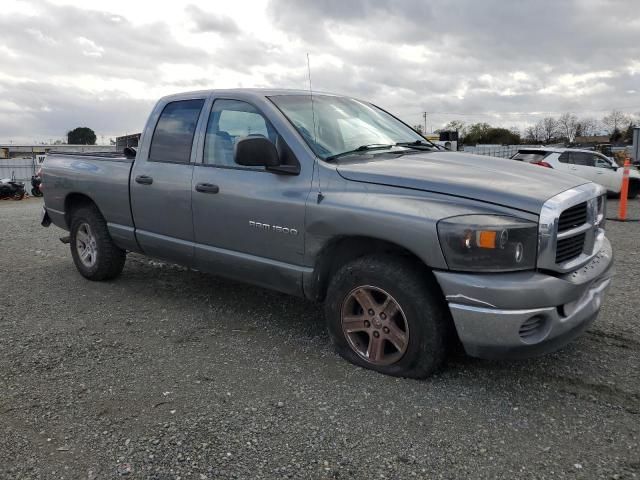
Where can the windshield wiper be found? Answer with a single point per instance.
(361, 148)
(420, 145)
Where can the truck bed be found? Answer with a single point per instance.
(102, 177)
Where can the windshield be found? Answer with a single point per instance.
(342, 124)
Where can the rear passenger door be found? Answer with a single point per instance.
(582, 164)
(161, 182)
(564, 163)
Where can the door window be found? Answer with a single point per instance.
(229, 121)
(583, 159)
(602, 162)
(173, 136)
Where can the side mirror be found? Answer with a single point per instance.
(256, 152)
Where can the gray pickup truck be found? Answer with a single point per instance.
(333, 199)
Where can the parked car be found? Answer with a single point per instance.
(587, 164)
(334, 199)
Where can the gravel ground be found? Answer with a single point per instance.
(167, 373)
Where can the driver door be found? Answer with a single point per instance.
(608, 175)
(248, 222)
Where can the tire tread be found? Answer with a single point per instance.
(111, 258)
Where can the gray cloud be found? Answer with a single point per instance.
(40, 112)
(211, 22)
(492, 61)
(490, 56)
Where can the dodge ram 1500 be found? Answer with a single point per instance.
(336, 200)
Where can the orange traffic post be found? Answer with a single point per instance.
(624, 191)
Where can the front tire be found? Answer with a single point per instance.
(94, 253)
(385, 314)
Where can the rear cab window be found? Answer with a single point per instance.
(173, 136)
(530, 156)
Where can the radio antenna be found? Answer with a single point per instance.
(315, 135)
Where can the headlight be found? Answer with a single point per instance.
(488, 243)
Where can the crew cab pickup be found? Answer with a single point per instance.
(336, 200)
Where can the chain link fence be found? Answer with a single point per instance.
(502, 151)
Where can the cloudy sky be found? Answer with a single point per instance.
(102, 63)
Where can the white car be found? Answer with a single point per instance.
(583, 163)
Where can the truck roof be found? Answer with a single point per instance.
(257, 92)
(556, 149)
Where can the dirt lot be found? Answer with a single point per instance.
(168, 373)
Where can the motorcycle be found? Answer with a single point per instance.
(10, 189)
(36, 180)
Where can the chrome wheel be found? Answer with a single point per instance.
(374, 325)
(86, 245)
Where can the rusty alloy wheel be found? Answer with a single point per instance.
(374, 325)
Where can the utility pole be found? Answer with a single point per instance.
(424, 115)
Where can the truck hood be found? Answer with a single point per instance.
(494, 180)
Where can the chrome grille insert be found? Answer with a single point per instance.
(569, 234)
(573, 217)
(569, 248)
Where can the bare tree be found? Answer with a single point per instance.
(530, 134)
(533, 133)
(568, 125)
(588, 127)
(549, 128)
(616, 120)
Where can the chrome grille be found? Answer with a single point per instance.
(573, 217)
(569, 248)
(570, 232)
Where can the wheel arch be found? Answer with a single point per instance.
(76, 200)
(343, 249)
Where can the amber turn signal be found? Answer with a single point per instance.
(486, 239)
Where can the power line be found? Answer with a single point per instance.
(530, 114)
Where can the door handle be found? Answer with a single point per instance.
(207, 188)
(144, 180)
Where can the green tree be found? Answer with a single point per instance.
(616, 135)
(476, 133)
(502, 136)
(485, 133)
(81, 136)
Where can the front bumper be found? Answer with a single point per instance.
(523, 314)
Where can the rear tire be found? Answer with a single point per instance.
(94, 253)
(421, 324)
(634, 189)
